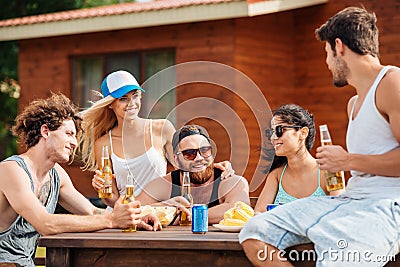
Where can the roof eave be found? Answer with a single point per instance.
(195, 13)
(126, 21)
(273, 6)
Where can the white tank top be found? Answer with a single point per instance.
(144, 168)
(369, 133)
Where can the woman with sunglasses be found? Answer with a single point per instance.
(294, 172)
(136, 145)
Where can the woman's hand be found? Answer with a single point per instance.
(226, 168)
(97, 181)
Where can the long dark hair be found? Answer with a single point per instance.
(291, 114)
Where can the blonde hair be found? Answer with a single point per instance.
(97, 121)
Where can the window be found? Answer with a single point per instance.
(160, 96)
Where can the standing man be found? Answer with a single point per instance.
(31, 184)
(193, 153)
(361, 226)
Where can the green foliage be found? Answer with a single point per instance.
(94, 3)
(9, 88)
(8, 60)
(9, 93)
(21, 8)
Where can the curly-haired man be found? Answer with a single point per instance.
(33, 183)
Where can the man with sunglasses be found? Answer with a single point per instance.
(193, 152)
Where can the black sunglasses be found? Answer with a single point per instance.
(191, 154)
(278, 131)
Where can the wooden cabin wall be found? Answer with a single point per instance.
(264, 52)
(278, 52)
(45, 66)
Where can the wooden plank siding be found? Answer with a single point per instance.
(278, 52)
(263, 51)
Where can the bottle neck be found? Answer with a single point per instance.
(186, 179)
(185, 189)
(105, 162)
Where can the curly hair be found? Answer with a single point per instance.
(355, 27)
(291, 114)
(52, 112)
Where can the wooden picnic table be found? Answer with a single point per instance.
(173, 246)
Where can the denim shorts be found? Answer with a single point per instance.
(345, 231)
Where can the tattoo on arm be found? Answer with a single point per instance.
(44, 193)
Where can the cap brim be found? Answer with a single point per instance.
(124, 90)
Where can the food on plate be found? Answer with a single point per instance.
(238, 215)
(164, 213)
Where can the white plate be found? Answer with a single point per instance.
(225, 228)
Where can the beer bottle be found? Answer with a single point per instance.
(106, 174)
(334, 180)
(129, 197)
(185, 219)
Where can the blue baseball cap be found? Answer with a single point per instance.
(119, 83)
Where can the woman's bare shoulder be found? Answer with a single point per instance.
(163, 127)
(161, 123)
(104, 140)
(275, 174)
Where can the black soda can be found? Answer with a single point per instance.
(199, 219)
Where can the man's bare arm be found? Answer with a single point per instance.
(231, 190)
(335, 158)
(71, 200)
(17, 190)
(156, 191)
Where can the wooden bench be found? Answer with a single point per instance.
(40, 261)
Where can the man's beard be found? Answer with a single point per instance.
(203, 176)
(341, 74)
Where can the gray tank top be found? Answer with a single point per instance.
(18, 243)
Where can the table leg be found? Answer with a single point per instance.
(58, 257)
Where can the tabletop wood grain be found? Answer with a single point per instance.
(171, 246)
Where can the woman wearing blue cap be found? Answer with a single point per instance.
(137, 145)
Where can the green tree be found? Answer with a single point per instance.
(9, 93)
(9, 87)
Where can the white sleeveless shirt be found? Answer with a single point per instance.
(144, 168)
(369, 133)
